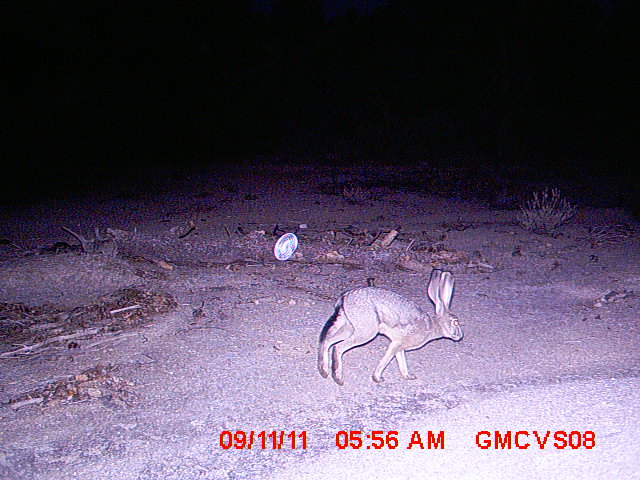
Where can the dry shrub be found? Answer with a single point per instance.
(546, 212)
(355, 194)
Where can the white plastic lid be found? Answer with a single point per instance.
(285, 246)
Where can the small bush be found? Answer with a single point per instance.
(546, 212)
(355, 194)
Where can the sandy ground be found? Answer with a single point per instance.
(550, 324)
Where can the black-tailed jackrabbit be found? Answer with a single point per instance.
(363, 313)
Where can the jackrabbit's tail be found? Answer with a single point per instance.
(332, 328)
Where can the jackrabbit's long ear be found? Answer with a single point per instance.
(441, 290)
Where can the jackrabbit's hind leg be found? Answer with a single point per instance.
(392, 350)
(323, 361)
(338, 351)
(323, 357)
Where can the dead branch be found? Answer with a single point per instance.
(385, 241)
(30, 349)
(116, 336)
(24, 403)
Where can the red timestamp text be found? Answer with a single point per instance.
(379, 439)
(274, 440)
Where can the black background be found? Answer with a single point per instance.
(95, 88)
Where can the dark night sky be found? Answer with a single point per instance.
(330, 8)
(93, 84)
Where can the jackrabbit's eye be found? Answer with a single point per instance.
(455, 323)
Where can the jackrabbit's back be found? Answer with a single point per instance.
(374, 306)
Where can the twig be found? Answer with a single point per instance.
(4, 241)
(192, 227)
(386, 241)
(116, 336)
(87, 245)
(376, 238)
(389, 238)
(119, 310)
(24, 403)
(156, 261)
(28, 349)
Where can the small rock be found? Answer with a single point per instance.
(94, 392)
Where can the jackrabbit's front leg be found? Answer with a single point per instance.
(392, 350)
(402, 365)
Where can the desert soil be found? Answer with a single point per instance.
(551, 327)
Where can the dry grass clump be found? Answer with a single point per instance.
(546, 212)
(356, 194)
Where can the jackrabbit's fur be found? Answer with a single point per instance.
(363, 313)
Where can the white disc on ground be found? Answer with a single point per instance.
(285, 246)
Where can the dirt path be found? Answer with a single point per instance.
(538, 313)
